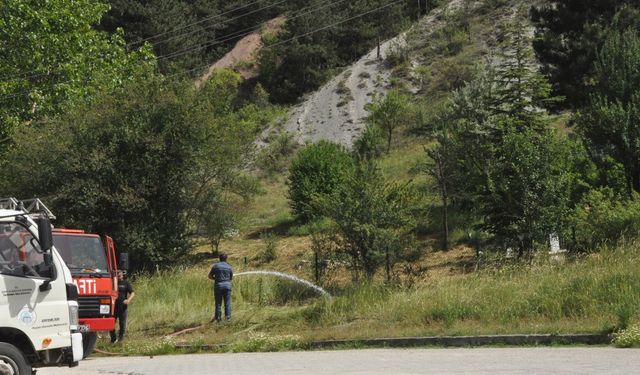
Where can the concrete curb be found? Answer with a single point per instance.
(462, 341)
(451, 341)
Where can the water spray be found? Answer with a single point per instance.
(289, 277)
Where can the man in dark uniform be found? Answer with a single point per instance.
(222, 273)
(125, 295)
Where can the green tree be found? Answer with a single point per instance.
(51, 58)
(139, 165)
(185, 35)
(611, 123)
(318, 169)
(529, 188)
(389, 114)
(374, 221)
(500, 154)
(568, 35)
(439, 164)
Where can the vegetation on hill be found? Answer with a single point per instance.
(465, 154)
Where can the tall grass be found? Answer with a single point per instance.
(593, 293)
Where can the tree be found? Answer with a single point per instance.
(374, 221)
(318, 169)
(611, 123)
(185, 35)
(139, 164)
(529, 188)
(501, 158)
(52, 58)
(568, 35)
(389, 114)
(439, 164)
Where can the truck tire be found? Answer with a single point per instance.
(89, 340)
(12, 361)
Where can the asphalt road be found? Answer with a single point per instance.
(543, 360)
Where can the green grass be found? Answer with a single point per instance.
(590, 294)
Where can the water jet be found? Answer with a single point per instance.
(289, 277)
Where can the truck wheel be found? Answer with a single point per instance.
(12, 361)
(89, 340)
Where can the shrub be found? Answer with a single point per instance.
(270, 252)
(603, 218)
(628, 338)
(316, 170)
(398, 54)
(275, 157)
(370, 144)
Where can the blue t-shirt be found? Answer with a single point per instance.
(222, 273)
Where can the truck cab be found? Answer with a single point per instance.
(92, 263)
(38, 300)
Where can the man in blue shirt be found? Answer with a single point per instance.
(222, 273)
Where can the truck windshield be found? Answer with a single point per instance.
(83, 254)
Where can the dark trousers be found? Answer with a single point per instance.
(222, 294)
(121, 317)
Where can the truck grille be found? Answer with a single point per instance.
(90, 307)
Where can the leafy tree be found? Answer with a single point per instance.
(439, 164)
(52, 58)
(139, 165)
(374, 221)
(370, 144)
(318, 169)
(611, 123)
(568, 35)
(185, 35)
(500, 158)
(389, 114)
(529, 188)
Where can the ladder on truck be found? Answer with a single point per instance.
(33, 207)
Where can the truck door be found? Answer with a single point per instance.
(113, 267)
(42, 314)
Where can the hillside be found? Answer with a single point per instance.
(472, 288)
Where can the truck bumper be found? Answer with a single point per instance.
(97, 324)
(76, 345)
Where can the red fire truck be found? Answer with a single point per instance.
(93, 266)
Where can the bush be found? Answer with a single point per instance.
(274, 158)
(270, 252)
(603, 218)
(628, 338)
(398, 54)
(370, 144)
(317, 170)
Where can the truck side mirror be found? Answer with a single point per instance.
(48, 259)
(44, 233)
(123, 259)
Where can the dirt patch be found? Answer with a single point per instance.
(244, 52)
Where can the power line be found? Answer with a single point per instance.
(298, 36)
(36, 73)
(210, 26)
(244, 32)
(301, 35)
(225, 38)
(27, 91)
(192, 24)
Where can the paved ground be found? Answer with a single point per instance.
(548, 360)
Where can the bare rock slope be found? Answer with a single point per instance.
(337, 111)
